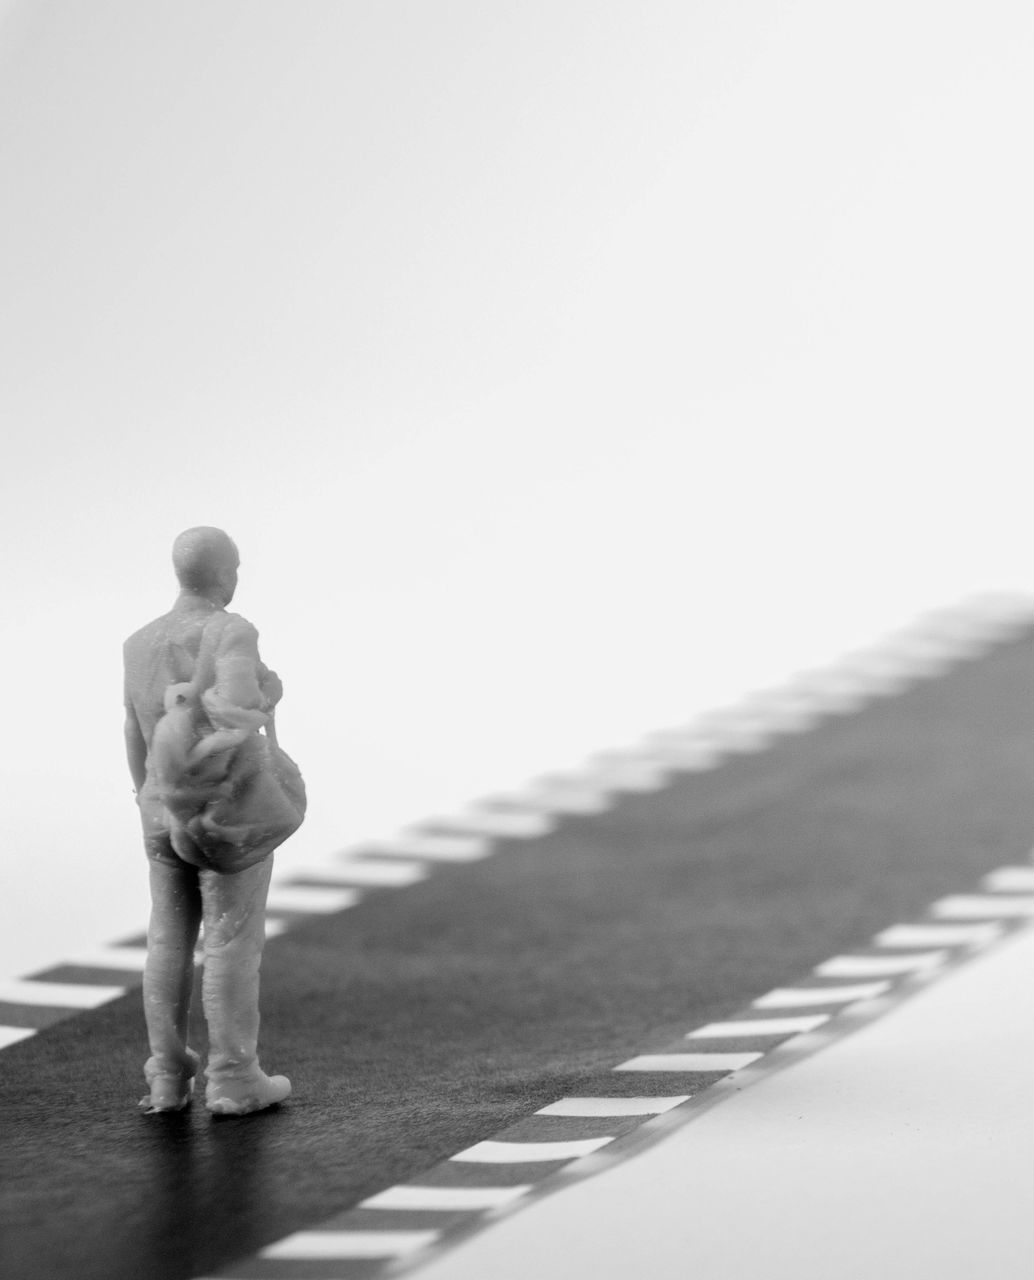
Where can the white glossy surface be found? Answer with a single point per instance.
(561, 369)
(900, 1151)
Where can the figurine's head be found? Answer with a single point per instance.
(206, 562)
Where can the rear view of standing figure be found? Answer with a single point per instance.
(216, 795)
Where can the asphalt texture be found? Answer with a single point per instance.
(426, 1019)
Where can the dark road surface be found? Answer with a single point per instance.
(426, 1019)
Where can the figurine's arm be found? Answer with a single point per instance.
(136, 748)
(238, 666)
(269, 683)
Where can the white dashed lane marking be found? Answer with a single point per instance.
(1009, 880)
(529, 1152)
(377, 873)
(61, 995)
(579, 1107)
(12, 1035)
(557, 797)
(131, 958)
(879, 966)
(976, 906)
(938, 935)
(682, 754)
(628, 770)
(311, 899)
(690, 1062)
(435, 847)
(444, 1199)
(740, 730)
(305, 1245)
(784, 710)
(803, 997)
(513, 824)
(759, 1027)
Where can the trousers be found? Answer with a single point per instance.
(232, 909)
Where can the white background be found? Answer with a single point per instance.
(559, 368)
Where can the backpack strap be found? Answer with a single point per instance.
(204, 665)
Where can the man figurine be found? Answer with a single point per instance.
(216, 796)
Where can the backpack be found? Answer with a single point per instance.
(230, 793)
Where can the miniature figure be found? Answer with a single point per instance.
(216, 795)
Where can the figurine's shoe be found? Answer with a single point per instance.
(240, 1096)
(170, 1090)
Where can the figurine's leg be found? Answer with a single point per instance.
(235, 916)
(168, 980)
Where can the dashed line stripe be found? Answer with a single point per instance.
(578, 1107)
(708, 732)
(879, 966)
(63, 995)
(131, 958)
(13, 1035)
(627, 770)
(1009, 880)
(310, 899)
(928, 647)
(938, 935)
(686, 753)
(736, 729)
(410, 1197)
(976, 906)
(802, 997)
(378, 873)
(491, 1152)
(837, 692)
(305, 1245)
(557, 797)
(759, 1027)
(690, 1062)
(512, 824)
(433, 847)
(786, 711)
